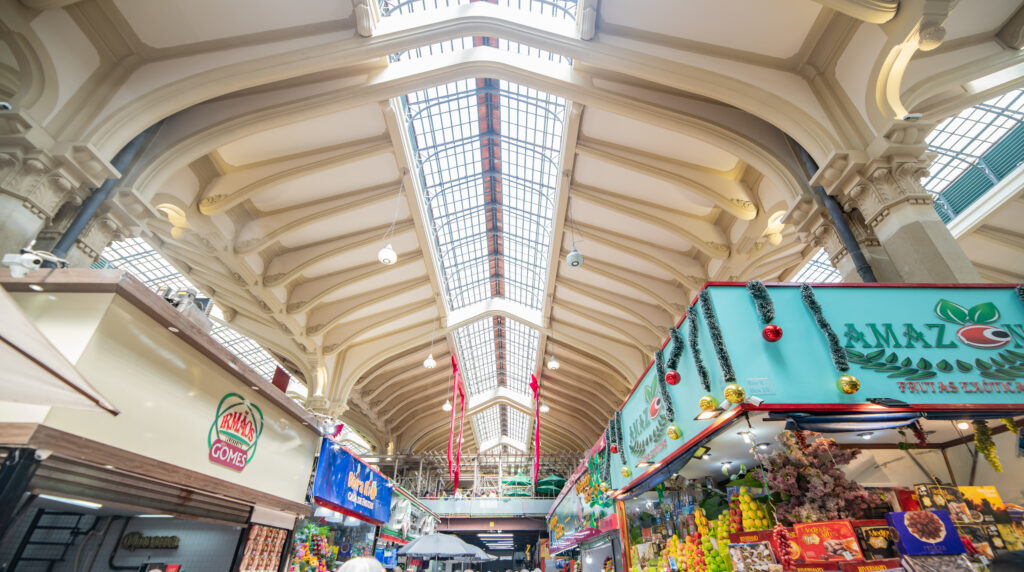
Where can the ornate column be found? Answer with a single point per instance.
(881, 187)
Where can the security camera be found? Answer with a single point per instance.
(22, 263)
(43, 454)
(574, 258)
(5, 106)
(912, 117)
(755, 400)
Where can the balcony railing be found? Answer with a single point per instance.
(486, 506)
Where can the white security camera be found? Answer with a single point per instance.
(574, 258)
(21, 264)
(43, 454)
(912, 116)
(755, 400)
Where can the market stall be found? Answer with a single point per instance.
(840, 427)
(409, 520)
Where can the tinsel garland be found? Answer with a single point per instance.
(1010, 424)
(986, 446)
(837, 351)
(666, 399)
(606, 468)
(762, 301)
(708, 309)
(698, 361)
(677, 349)
(922, 439)
(1020, 292)
(618, 436)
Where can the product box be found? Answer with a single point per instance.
(815, 566)
(985, 505)
(925, 532)
(1010, 536)
(752, 557)
(887, 565)
(985, 538)
(936, 497)
(832, 540)
(750, 536)
(875, 538)
(938, 563)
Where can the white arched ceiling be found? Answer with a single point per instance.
(286, 144)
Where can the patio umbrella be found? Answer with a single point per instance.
(436, 545)
(518, 480)
(551, 481)
(549, 490)
(478, 554)
(362, 564)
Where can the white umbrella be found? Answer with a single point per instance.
(436, 545)
(34, 371)
(362, 564)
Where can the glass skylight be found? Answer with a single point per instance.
(138, 257)
(960, 141)
(819, 270)
(465, 43)
(487, 153)
(487, 424)
(557, 9)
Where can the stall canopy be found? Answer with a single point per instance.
(35, 372)
(344, 483)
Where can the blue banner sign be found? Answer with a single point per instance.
(930, 347)
(346, 484)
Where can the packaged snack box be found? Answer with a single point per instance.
(923, 532)
(876, 539)
(828, 541)
(938, 563)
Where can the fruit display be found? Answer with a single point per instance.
(753, 514)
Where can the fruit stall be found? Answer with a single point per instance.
(834, 427)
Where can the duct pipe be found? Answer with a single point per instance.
(835, 212)
(92, 203)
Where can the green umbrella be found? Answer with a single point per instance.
(549, 490)
(517, 493)
(552, 481)
(518, 480)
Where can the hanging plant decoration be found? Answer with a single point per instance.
(765, 310)
(618, 436)
(1010, 424)
(986, 446)
(922, 439)
(672, 376)
(666, 399)
(716, 337)
(698, 360)
(835, 349)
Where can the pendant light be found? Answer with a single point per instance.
(544, 407)
(448, 397)
(430, 363)
(553, 363)
(574, 259)
(387, 255)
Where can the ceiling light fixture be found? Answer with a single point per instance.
(962, 425)
(574, 259)
(35, 287)
(448, 397)
(763, 446)
(430, 363)
(76, 502)
(544, 407)
(709, 414)
(387, 255)
(866, 434)
(553, 363)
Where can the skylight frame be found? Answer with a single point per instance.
(564, 10)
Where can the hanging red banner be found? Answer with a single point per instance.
(458, 389)
(535, 386)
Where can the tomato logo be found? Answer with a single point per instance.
(655, 407)
(983, 336)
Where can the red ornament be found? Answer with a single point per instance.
(614, 449)
(672, 377)
(772, 333)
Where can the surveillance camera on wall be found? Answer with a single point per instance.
(5, 106)
(22, 264)
(755, 400)
(43, 454)
(912, 116)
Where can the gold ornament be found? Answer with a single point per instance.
(674, 432)
(707, 403)
(626, 472)
(734, 393)
(848, 384)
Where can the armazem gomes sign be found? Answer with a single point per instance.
(235, 431)
(921, 345)
(346, 484)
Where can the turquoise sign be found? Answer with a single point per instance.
(923, 346)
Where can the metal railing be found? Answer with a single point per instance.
(490, 506)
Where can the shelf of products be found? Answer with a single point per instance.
(263, 549)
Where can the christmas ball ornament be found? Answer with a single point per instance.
(707, 403)
(626, 472)
(674, 432)
(734, 393)
(848, 384)
(772, 333)
(614, 449)
(672, 377)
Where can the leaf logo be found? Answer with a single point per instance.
(975, 331)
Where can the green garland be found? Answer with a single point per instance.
(986, 446)
(839, 357)
(762, 301)
(716, 337)
(606, 469)
(618, 435)
(1010, 424)
(677, 349)
(666, 398)
(698, 361)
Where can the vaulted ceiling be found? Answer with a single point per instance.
(482, 141)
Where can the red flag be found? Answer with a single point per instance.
(535, 386)
(451, 428)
